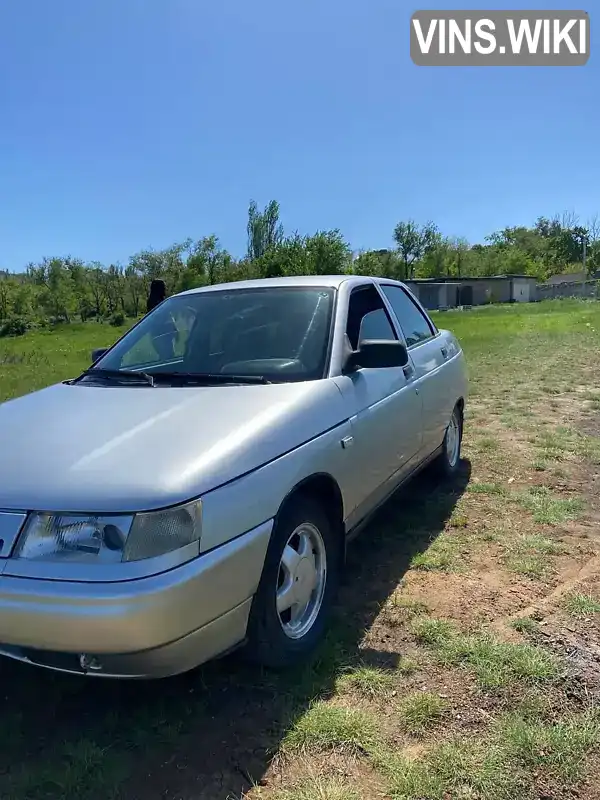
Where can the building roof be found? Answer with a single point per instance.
(568, 277)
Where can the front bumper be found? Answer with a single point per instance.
(151, 627)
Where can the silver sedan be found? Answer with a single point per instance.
(194, 490)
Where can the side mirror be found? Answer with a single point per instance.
(98, 353)
(377, 354)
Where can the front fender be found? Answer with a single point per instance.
(256, 497)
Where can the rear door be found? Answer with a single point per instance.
(384, 405)
(429, 353)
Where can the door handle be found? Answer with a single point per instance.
(409, 371)
(445, 352)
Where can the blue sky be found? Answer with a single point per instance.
(126, 124)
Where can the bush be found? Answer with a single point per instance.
(117, 319)
(15, 326)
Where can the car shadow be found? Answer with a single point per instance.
(212, 733)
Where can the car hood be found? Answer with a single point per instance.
(90, 448)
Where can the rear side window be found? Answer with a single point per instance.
(367, 317)
(415, 325)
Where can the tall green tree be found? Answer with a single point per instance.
(414, 241)
(264, 229)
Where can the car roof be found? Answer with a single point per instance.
(325, 281)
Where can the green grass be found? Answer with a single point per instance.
(506, 765)
(486, 444)
(443, 554)
(319, 789)
(494, 663)
(525, 625)
(557, 749)
(561, 442)
(421, 710)
(463, 769)
(407, 666)
(371, 682)
(459, 520)
(433, 632)
(329, 727)
(368, 682)
(529, 565)
(80, 769)
(408, 605)
(581, 605)
(49, 356)
(530, 555)
(487, 488)
(547, 509)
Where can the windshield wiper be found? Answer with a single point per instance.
(206, 378)
(117, 374)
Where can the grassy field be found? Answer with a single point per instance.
(465, 655)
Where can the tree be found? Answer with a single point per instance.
(96, 278)
(414, 242)
(437, 261)
(328, 253)
(264, 229)
(378, 263)
(208, 263)
(460, 249)
(134, 289)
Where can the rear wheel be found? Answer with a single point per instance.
(298, 585)
(448, 462)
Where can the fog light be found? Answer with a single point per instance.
(90, 663)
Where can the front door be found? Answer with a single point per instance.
(385, 407)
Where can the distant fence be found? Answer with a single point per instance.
(551, 291)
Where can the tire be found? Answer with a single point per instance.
(447, 463)
(274, 639)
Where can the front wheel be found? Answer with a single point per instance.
(297, 588)
(448, 462)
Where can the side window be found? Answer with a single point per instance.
(367, 317)
(415, 325)
(376, 325)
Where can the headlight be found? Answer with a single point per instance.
(109, 539)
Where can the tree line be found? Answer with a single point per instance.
(65, 289)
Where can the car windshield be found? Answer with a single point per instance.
(278, 333)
